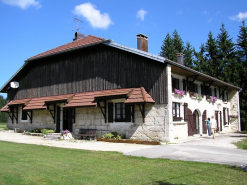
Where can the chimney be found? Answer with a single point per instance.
(78, 36)
(142, 42)
(180, 58)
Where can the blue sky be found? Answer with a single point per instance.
(29, 27)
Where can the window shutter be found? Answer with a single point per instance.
(185, 111)
(215, 92)
(110, 112)
(202, 89)
(128, 113)
(184, 85)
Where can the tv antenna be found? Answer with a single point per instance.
(77, 21)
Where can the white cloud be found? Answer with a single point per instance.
(93, 16)
(241, 16)
(23, 4)
(141, 14)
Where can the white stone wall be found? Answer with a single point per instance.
(152, 129)
(41, 119)
(180, 128)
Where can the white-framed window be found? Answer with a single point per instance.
(176, 111)
(120, 112)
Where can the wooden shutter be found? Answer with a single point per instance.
(184, 85)
(185, 111)
(128, 113)
(204, 117)
(110, 112)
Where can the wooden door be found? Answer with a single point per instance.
(67, 119)
(204, 126)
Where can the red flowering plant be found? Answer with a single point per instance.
(179, 92)
(64, 132)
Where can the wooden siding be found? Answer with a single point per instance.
(91, 69)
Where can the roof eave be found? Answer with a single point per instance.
(67, 50)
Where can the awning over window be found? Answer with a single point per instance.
(15, 103)
(42, 102)
(132, 95)
(87, 99)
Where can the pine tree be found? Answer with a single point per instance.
(178, 44)
(167, 48)
(211, 54)
(242, 59)
(189, 55)
(171, 46)
(226, 57)
(200, 63)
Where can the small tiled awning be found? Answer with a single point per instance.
(40, 103)
(132, 96)
(15, 103)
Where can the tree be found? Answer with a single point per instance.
(167, 47)
(189, 56)
(242, 60)
(226, 57)
(211, 54)
(171, 46)
(3, 116)
(200, 64)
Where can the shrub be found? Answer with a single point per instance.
(36, 130)
(108, 135)
(46, 131)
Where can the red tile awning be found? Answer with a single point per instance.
(40, 103)
(15, 103)
(87, 99)
(132, 96)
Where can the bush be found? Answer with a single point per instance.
(36, 130)
(47, 131)
(108, 135)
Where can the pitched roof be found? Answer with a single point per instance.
(90, 39)
(22, 102)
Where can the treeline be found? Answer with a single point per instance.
(3, 115)
(219, 57)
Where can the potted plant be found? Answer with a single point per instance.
(179, 92)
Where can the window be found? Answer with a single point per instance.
(225, 116)
(23, 115)
(193, 87)
(175, 83)
(123, 112)
(176, 111)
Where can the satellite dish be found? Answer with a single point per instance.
(14, 85)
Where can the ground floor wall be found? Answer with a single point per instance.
(154, 127)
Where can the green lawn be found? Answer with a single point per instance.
(242, 144)
(3, 126)
(33, 164)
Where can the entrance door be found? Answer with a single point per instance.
(193, 122)
(67, 119)
(58, 120)
(204, 126)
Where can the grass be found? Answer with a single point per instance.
(33, 164)
(242, 144)
(3, 126)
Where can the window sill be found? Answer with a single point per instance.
(179, 123)
(24, 121)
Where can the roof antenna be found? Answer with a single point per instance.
(77, 21)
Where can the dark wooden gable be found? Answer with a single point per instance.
(92, 69)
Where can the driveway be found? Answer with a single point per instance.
(200, 148)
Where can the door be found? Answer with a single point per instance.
(193, 122)
(68, 119)
(204, 126)
(58, 120)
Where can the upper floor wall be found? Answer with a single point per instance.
(91, 69)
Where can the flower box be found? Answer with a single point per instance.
(179, 92)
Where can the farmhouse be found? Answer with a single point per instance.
(96, 83)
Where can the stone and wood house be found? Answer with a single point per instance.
(96, 83)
